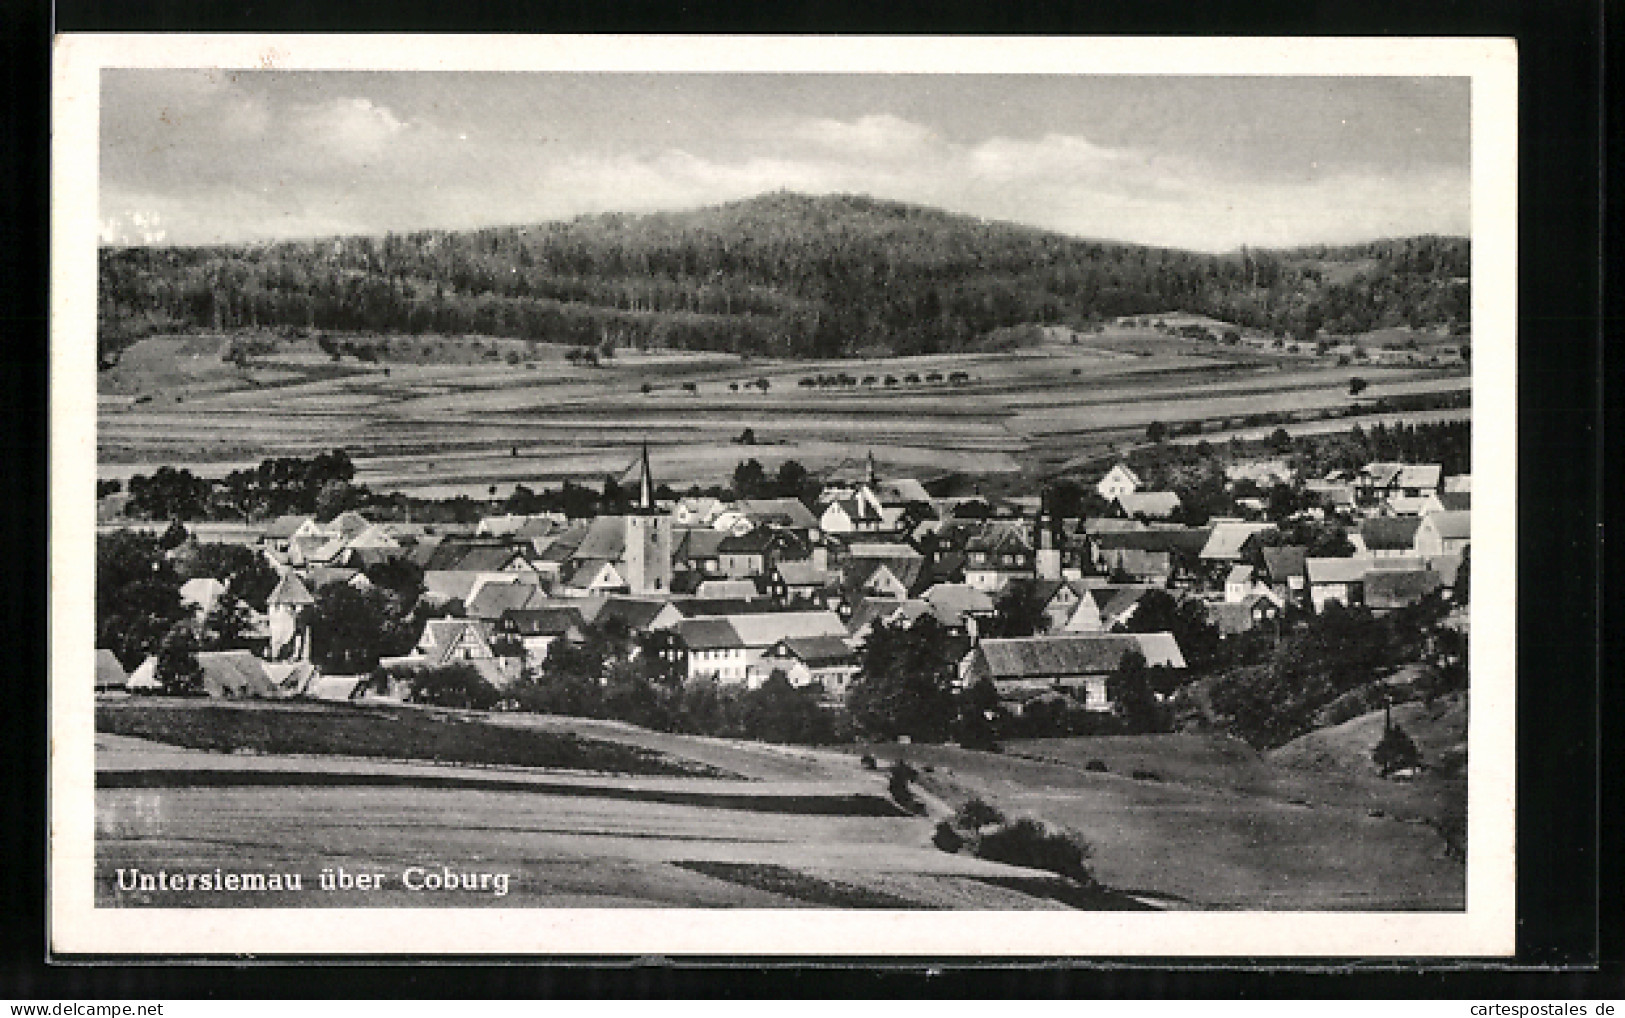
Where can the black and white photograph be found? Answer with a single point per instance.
(771, 495)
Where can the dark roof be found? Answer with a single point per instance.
(1188, 541)
(1056, 656)
(234, 673)
(1389, 533)
(1283, 561)
(698, 543)
(605, 539)
(635, 613)
(494, 599)
(541, 621)
(907, 570)
(818, 650)
(791, 512)
(1396, 588)
(708, 634)
(1456, 500)
(474, 554)
(707, 607)
(753, 542)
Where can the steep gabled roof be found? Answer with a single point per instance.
(234, 673)
(698, 543)
(290, 591)
(109, 673)
(1149, 503)
(282, 528)
(1283, 561)
(1045, 657)
(768, 628)
(605, 539)
(637, 614)
(450, 585)
(1229, 537)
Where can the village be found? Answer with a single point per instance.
(1033, 597)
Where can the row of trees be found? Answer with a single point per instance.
(781, 275)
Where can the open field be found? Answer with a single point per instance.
(445, 429)
(1225, 828)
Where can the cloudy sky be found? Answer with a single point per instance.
(1201, 163)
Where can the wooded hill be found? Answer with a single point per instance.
(779, 275)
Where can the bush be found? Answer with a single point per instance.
(867, 762)
(1098, 766)
(1147, 776)
(946, 838)
(901, 774)
(976, 814)
(456, 685)
(1031, 843)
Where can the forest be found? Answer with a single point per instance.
(781, 275)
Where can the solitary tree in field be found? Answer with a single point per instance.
(1357, 385)
(1156, 431)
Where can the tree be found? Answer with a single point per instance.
(1357, 385)
(904, 681)
(747, 437)
(973, 729)
(748, 479)
(351, 629)
(1156, 431)
(1187, 620)
(1132, 699)
(1280, 440)
(177, 669)
(1018, 612)
(1463, 590)
(776, 711)
(1395, 751)
(335, 497)
(227, 625)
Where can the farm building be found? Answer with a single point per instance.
(1336, 579)
(824, 660)
(1284, 571)
(1078, 665)
(1385, 536)
(1388, 589)
(1119, 481)
(1236, 617)
(1154, 505)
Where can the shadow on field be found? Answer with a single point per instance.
(850, 805)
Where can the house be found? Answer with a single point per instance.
(1000, 553)
(759, 632)
(1378, 482)
(699, 550)
(1231, 541)
(1385, 536)
(1444, 533)
(280, 531)
(447, 642)
(746, 555)
(852, 516)
(288, 611)
(536, 629)
(1158, 505)
(491, 600)
(1238, 584)
(696, 511)
(784, 513)
(1236, 617)
(1284, 571)
(637, 615)
(895, 578)
(1336, 579)
(1119, 481)
(1102, 607)
(826, 661)
(743, 589)
(714, 649)
(1388, 589)
(959, 605)
(109, 673)
(479, 555)
(800, 583)
(1076, 664)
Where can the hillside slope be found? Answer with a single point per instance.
(780, 274)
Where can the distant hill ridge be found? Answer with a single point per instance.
(781, 274)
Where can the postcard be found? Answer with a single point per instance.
(765, 496)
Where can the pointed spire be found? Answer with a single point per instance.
(646, 484)
(869, 467)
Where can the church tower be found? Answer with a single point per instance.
(1049, 545)
(648, 539)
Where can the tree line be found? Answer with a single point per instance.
(779, 275)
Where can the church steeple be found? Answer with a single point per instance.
(646, 485)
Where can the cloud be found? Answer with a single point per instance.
(353, 129)
(876, 136)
